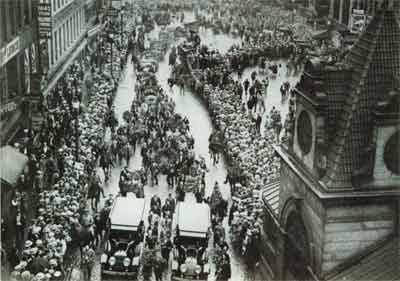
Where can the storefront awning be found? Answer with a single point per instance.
(12, 164)
(270, 196)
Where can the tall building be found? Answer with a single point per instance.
(64, 30)
(17, 62)
(334, 213)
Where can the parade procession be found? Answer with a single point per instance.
(175, 140)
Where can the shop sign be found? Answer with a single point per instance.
(357, 21)
(8, 107)
(10, 50)
(44, 20)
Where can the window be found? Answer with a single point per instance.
(27, 16)
(77, 24)
(3, 23)
(54, 5)
(70, 30)
(64, 37)
(58, 4)
(11, 17)
(391, 152)
(3, 85)
(74, 26)
(68, 42)
(304, 132)
(51, 51)
(18, 14)
(80, 21)
(59, 41)
(55, 45)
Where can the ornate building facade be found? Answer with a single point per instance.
(334, 213)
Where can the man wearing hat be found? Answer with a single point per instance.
(88, 260)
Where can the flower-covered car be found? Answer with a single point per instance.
(124, 238)
(191, 242)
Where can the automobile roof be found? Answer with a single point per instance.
(193, 219)
(127, 212)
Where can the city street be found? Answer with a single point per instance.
(212, 140)
(191, 106)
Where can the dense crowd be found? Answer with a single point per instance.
(70, 145)
(62, 166)
(237, 108)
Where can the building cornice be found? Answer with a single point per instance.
(319, 188)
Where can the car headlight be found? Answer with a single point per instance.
(206, 268)
(183, 268)
(126, 262)
(135, 261)
(174, 265)
(111, 261)
(103, 258)
(198, 269)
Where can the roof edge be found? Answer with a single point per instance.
(358, 257)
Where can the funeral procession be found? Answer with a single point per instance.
(213, 140)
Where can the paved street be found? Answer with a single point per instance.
(271, 124)
(191, 106)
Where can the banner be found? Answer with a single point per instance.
(10, 50)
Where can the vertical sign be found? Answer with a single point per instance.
(44, 32)
(27, 71)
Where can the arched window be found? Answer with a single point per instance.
(391, 153)
(296, 248)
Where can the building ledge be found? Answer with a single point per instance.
(322, 191)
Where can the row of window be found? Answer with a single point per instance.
(59, 4)
(65, 35)
(13, 16)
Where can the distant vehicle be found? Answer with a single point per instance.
(358, 20)
(124, 238)
(191, 260)
(150, 65)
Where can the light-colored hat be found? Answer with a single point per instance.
(40, 276)
(26, 275)
(28, 243)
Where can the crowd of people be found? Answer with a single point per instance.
(63, 157)
(237, 106)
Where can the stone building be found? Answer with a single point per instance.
(341, 10)
(67, 31)
(17, 61)
(334, 213)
